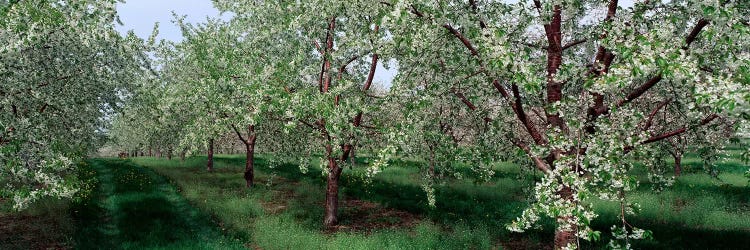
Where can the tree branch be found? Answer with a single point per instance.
(679, 131)
(653, 114)
(573, 43)
(463, 99)
(463, 39)
(318, 48)
(239, 135)
(540, 164)
(371, 74)
(640, 90)
(694, 33)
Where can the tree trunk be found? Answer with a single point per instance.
(250, 156)
(182, 156)
(150, 153)
(210, 164)
(677, 164)
(432, 163)
(332, 193)
(565, 236)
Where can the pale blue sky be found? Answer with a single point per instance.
(140, 16)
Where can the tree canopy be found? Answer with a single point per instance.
(63, 69)
(584, 91)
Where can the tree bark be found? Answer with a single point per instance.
(432, 163)
(332, 192)
(169, 154)
(210, 164)
(150, 153)
(565, 236)
(677, 164)
(250, 156)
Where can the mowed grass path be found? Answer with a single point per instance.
(132, 207)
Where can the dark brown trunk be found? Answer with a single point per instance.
(150, 153)
(554, 60)
(432, 162)
(210, 164)
(332, 193)
(677, 165)
(182, 156)
(565, 236)
(250, 156)
(169, 154)
(325, 76)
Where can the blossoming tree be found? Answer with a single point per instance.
(573, 85)
(62, 66)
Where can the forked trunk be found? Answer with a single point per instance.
(210, 164)
(565, 236)
(332, 194)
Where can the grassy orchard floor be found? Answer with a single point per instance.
(183, 207)
(285, 209)
(126, 207)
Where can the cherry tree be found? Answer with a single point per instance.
(335, 47)
(63, 69)
(229, 84)
(578, 80)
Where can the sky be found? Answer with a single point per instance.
(140, 16)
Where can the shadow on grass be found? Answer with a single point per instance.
(133, 208)
(478, 212)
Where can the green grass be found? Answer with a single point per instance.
(697, 212)
(151, 203)
(131, 207)
(249, 213)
